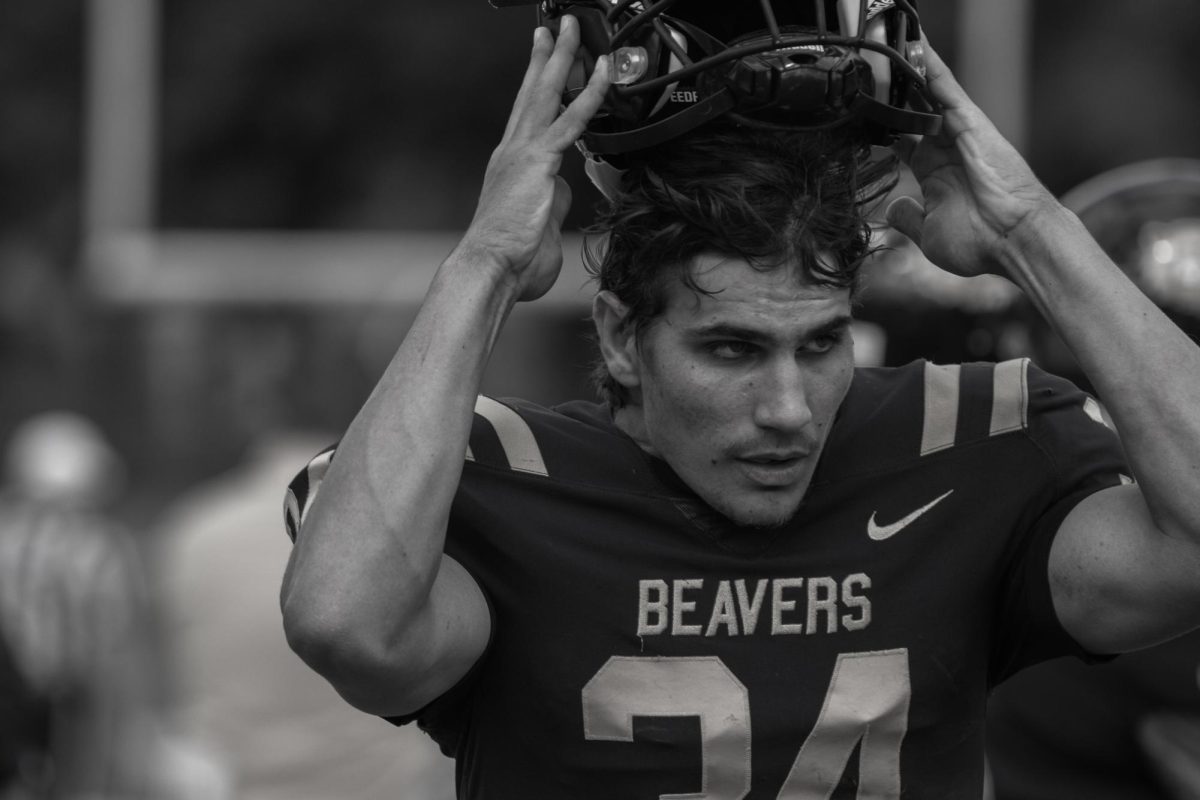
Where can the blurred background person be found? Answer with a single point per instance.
(275, 728)
(1128, 729)
(77, 700)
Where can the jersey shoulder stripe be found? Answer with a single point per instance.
(968, 402)
(894, 416)
(499, 437)
(503, 438)
(939, 424)
(1010, 396)
(1071, 428)
(574, 443)
(302, 491)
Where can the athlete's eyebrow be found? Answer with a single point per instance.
(729, 330)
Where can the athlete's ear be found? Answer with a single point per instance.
(618, 341)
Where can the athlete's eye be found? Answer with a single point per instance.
(824, 342)
(730, 349)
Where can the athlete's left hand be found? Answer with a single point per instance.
(979, 193)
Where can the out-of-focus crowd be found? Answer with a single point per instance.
(134, 671)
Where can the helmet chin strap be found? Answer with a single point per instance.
(904, 120)
(603, 175)
(607, 178)
(664, 130)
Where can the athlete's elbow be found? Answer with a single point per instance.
(316, 637)
(369, 668)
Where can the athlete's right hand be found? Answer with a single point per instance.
(517, 224)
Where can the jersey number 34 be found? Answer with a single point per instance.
(867, 701)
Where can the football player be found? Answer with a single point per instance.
(754, 571)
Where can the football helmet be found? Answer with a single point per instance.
(799, 64)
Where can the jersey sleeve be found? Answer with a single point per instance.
(1082, 453)
(502, 440)
(302, 491)
(442, 718)
(1074, 432)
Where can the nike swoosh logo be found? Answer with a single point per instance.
(881, 532)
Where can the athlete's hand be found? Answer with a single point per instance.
(517, 224)
(979, 192)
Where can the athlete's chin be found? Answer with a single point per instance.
(761, 510)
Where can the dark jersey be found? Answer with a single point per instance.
(1064, 730)
(644, 647)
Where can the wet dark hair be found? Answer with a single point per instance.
(774, 198)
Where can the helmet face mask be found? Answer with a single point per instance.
(797, 64)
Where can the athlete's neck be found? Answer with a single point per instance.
(632, 422)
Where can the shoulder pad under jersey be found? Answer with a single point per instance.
(575, 442)
(892, 416)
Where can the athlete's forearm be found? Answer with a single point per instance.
(364, 565)
(1145, 369)
(369, 599)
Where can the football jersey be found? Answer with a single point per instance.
(1064, 730)
(643, 646)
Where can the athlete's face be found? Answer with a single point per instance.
(737, 389)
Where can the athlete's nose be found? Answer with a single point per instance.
(781, 401)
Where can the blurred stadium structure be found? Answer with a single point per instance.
(218, 215)
(224, 193)
(130, 262)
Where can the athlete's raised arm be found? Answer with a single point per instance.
(1125, 565)
(369, 600)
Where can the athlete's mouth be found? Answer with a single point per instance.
(774, 457)
(775, 469)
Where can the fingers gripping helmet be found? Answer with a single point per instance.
(800, 64)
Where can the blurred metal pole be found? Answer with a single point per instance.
(994, 61)
(121, 80)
